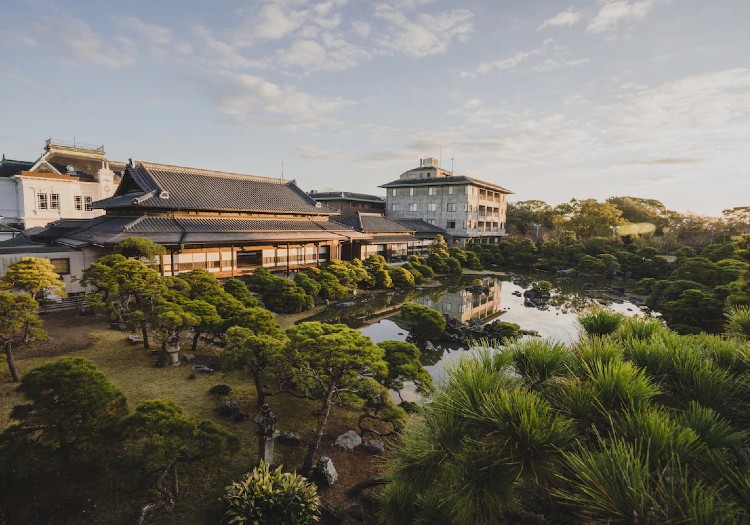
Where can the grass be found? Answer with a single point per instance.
(100, 497)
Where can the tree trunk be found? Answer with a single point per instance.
(175, 480)
(62, 440)
(319, 429)
(261, 393)
(12, 365)
(195, 340)
(168, 499)
(144, 332)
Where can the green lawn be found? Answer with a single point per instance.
(93, 495)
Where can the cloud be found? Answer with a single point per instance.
(250, 99)
(155, 34)
(17, 36)
(556, 53)
(670, 162)
(330, 53)
(611, 14)
(568, 17)
(422, 34)
(222, 53)
(17, 77)
(114, 52)
(315, 153)
(361, 29)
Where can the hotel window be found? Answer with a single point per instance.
(463, 225)
(451, 190)
(413, 206)
(451, 225)
(42, 201)
(432, 190)
(432, 206)
(411, 191)
(394, 207)
(451, 206)
(78, 203)
(61, 266)
(431, 221)
(54, 201)
(87, 204)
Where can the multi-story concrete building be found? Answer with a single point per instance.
(469, 209)
(348, 203)
(62, 184)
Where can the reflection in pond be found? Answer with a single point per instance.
(464, 301)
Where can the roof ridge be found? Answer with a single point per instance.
(207, 172)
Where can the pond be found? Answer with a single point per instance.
(376, 316)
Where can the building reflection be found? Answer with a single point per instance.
(480, 302)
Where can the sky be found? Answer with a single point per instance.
(552, 99)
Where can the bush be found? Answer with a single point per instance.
(438, 263)
(418, 277)
(381, 279)
(240, 291)
(473, 262)
(427, 322)
(310, 287)
(454, 266)
(285, 297)
(401, 278)
(600, 321)
(330, 287)
(266, 496)
(542, 286)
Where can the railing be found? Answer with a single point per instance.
(73, 144)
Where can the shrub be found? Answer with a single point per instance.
(240, 291)
(542, 286)
(381, 279)
(600, 321)
(330, 287)
(438, 263)
(287, 298)
(401, 278)
(472, 261)
(310, 287)
(418, 277)
(427, 322)
(266, 496)
(454, 266)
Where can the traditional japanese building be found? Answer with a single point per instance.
(384, 237)
(225, 223)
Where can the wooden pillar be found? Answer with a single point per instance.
(232, 262)
(317, 254)
(287, 259)
(171, 261)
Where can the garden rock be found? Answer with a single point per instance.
(348, 440)
(203, 368)
(289, 438)
(229, 408)
(135, 339)
(324, 472)
(220, 390)
(189, 358)
(375, 446)
(355, 512)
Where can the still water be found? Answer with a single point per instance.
(502, 299)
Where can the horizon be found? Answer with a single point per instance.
(584, 99)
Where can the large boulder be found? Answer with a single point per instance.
(289, 438)
(324, 473)
(220, 390)
(348, 440)
(229, 408)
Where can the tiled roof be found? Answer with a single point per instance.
(108, 230)
(442, 181)
(345, 195)
(420, 226)
(9, 167)
(148, 185)
(374, 223)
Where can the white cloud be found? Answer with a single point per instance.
(568, 17)
(86, 44)
(330, 53)
(361, 29)
(155, 34)
(250, 99)
(611, 14)
(511, 63)
(422, 34)
(17, 36)
(17, 77)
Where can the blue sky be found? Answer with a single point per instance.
(551, 99)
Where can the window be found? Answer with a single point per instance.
(451, 225)
(78, 203)
(87, 204)
(394, 207)
(54, 201)
(451, 206)
(432, 206)
(62, 266)
(413, 206)
(451, 190)
(432, 190)
(41, 201)
(463, 225)
(431, 221)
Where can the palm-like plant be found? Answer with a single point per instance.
(599, 321)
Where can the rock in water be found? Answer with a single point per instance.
(348, 440)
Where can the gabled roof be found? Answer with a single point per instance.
(374, 223)
(109, 230)
(161, 186)
(346, 196)
(444, 181)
